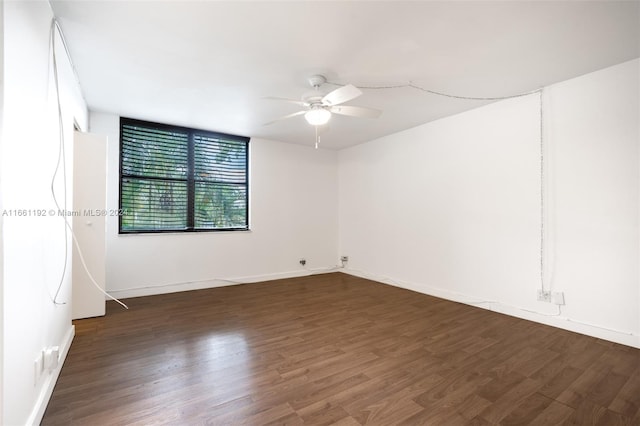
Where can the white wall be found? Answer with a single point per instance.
(293, 211)
(33, 247)
(1, 221)
(451, 208)
(594, 137)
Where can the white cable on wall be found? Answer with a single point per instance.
(62, 159)
(542, 193)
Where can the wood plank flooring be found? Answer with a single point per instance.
(335, 349)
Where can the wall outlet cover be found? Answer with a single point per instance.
(557, 298)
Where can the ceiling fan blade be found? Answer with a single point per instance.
(341, 95)
(356, 111)
(285, 117)
(292, 101)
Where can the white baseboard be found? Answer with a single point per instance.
(565, 323)
(50, 380)
(212, 283)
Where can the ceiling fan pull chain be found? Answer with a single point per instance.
(317, 137)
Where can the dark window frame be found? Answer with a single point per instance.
(190, 179)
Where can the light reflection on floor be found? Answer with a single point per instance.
(214, 367)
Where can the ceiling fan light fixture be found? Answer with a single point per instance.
(317, 116)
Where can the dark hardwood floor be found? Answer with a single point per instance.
(335, 349)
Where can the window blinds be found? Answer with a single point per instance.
(179, 179)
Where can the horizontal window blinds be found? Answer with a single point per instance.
(178, 179)
(221, 182)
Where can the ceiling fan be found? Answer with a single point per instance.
(319, 107)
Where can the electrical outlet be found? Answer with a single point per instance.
(51, 357)
(344, 258)
(544, 296)
(557, 298)
(303, 262)
(38, 367)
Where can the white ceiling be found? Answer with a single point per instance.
(208, 64)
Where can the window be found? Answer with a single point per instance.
(180, 179)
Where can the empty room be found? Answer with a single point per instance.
(319, 212)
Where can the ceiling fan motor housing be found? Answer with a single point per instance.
(319, 106)
(317, 80)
